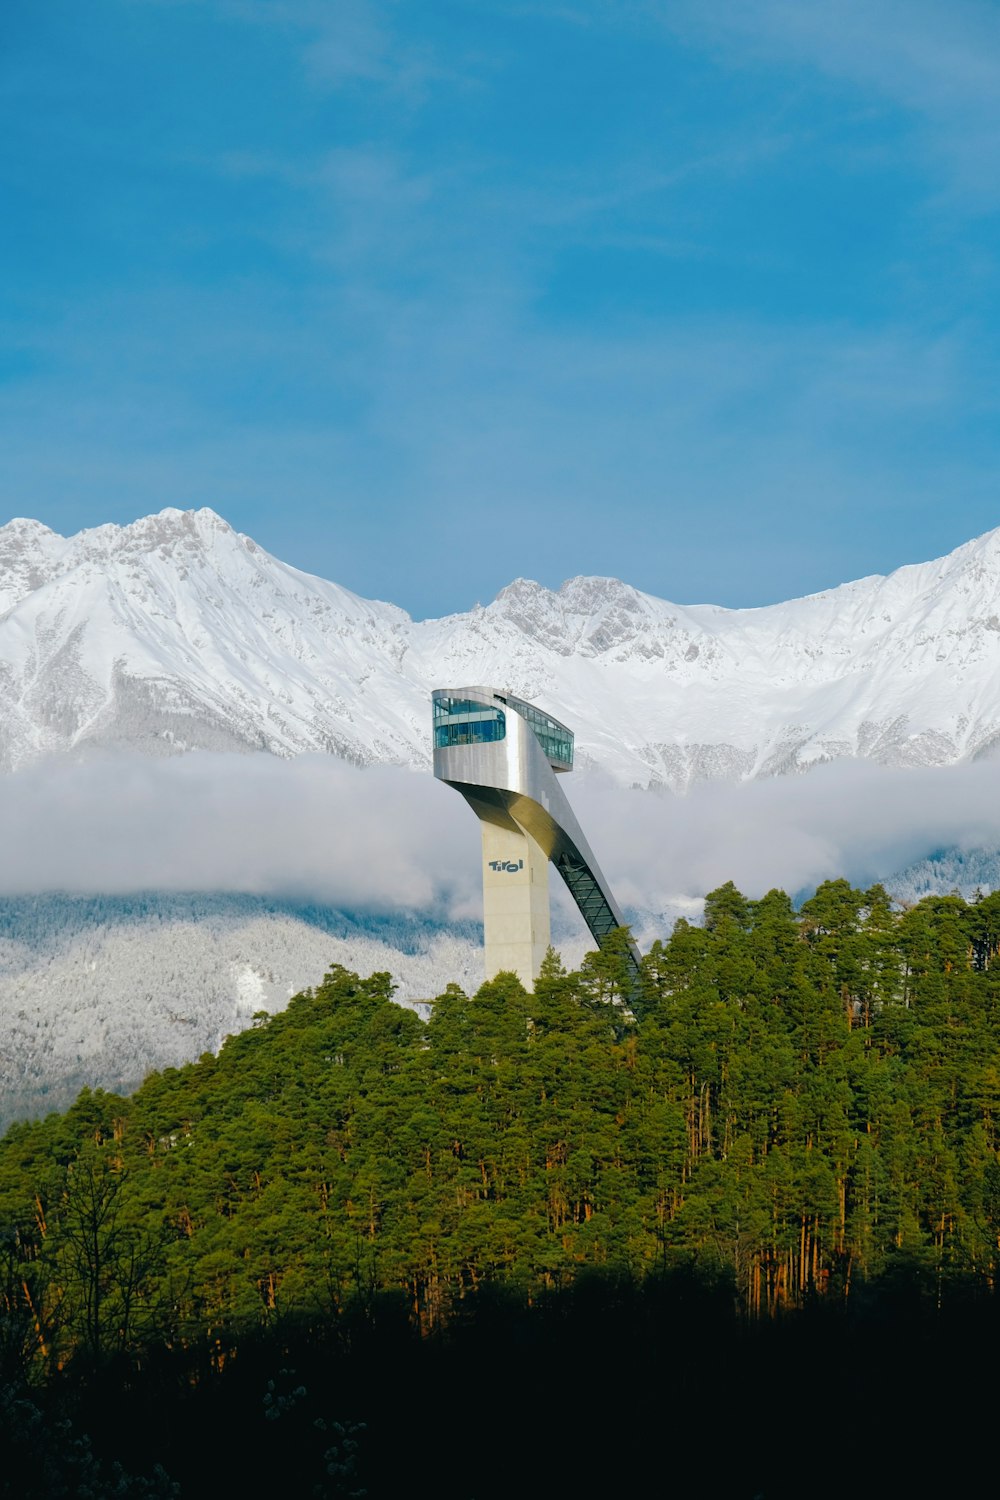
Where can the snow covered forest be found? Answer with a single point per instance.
(96, 992)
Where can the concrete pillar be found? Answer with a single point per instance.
(515, 903)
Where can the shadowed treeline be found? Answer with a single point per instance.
(745, 1217)
(611, 1386)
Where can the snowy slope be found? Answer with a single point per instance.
(967, 871)
(96, 992)
(176, 632)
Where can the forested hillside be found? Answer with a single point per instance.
(798, 1112)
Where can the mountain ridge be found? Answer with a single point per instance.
(177, 632)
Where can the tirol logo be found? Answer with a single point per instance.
(507, 866)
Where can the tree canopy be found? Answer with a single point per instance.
(799, 1100)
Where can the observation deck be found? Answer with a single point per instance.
(468, 721)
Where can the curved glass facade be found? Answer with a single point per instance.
(461, 721)
(555, 739)
(465, 721)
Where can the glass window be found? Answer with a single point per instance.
(460, 721)
(555, 739)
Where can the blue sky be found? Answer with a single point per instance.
(428, 296)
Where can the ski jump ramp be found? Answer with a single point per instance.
(504, 756)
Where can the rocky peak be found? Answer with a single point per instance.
(28, 553)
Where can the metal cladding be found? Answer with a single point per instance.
(503, 755)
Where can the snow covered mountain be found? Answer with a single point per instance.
(177, 632)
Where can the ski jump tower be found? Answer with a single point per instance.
(503, 754)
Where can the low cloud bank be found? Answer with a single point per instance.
(848, 818)
(388, 839)
(313, 828)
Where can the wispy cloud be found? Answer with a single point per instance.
(348, 43)
(357, 209)
(937, 60)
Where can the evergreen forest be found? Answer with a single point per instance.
(734, 1232)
